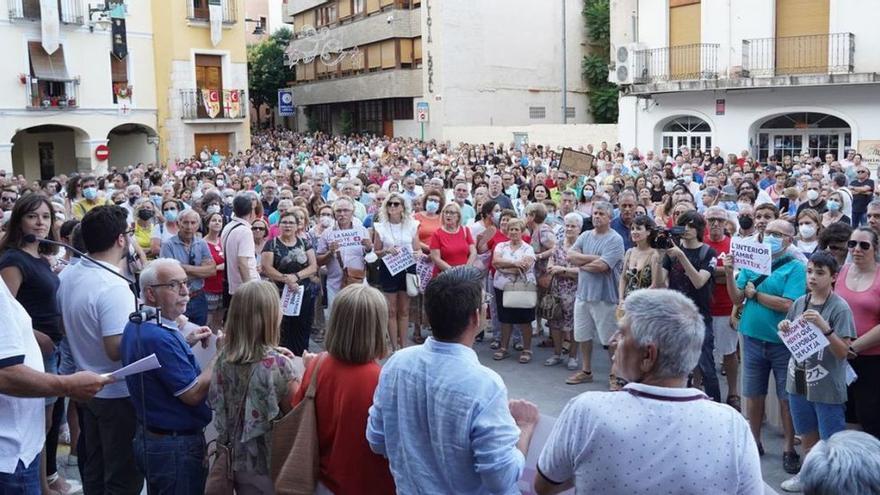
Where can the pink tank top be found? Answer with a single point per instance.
(865, 310)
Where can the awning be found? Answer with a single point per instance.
(47, 67)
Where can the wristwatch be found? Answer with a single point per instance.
(830, 331)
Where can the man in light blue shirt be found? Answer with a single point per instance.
(441, 418)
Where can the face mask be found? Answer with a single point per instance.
(775, 244)
(807, 231)
(214, 209)
(145, 214)
(90, 193)
(742, 206)
(588, 193)
(156, 199)
(432, 206)
(812, 195)
(687, 179)
(326, 222)
(131, 201)
(171, 215)
(220, 183)
(746, 223)
(551, 218)
(833, 205)
(228, 200)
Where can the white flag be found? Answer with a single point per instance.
(215, 14)
(51, 25)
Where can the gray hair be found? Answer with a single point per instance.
(848, 463)
(574, 216)
(189, 212)
(875, 203)
(626, 193)
(672, 322)
(716, 209)
(134, 188)
(150, 273)
(605, 206)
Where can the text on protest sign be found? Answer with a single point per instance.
(399, 262)
(751, 255)
(576, 162)
(291, 300)
(347, 238)
(803, 339)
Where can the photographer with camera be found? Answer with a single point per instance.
(688, 268)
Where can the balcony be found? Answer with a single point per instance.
(228, 104)
(396, 83)
(197, 11)
(51, 95)
(799, 55)
(677, 63)
(69, 11)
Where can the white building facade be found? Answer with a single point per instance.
(774, 77)
(57, 107)
(491, 67)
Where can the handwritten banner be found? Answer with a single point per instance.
(803, 339)
(751, 255)
(347, 238)
(399, 262)
(291, 300)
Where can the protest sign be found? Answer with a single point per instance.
(576, 162)
(398, 262)
(752, 255)
(803, 339)
(291, 300)
(425, 270)
(542, 432)
(346, 238)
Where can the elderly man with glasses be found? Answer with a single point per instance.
(766, 301)
(169, 403)
(653, 435)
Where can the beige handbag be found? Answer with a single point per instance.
(295, 451)
(520, 294)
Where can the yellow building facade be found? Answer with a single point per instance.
(201, 87)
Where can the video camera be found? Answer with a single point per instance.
(663, 239)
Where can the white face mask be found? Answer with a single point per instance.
(812, 195)
(807, 231)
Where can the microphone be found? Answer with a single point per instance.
(32, 238)
(145, 313)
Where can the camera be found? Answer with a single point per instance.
(663, 239)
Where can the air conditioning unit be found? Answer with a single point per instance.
(624, 67)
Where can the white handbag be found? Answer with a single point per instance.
(520, 294)
(412, 284)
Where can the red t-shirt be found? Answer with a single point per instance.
(214, 284)
(454, 248)
(342, 403)
(721, 304)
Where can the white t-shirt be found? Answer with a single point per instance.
(101, 310)
(396, 234)
(22, 428)
(649, 440)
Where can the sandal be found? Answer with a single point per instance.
(501, 354)
(495, 345)
(553, 360)
(735, 402)
(525, 357)
(566, 347)
(579, 377)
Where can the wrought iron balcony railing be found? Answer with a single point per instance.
(51, 95)
(677, 63)
(69, 11)
(199, 11)
(213, 104)
(799, 55)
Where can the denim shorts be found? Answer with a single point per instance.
(759, 358)
(809, 417)
(50, 366)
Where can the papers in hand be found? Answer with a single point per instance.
(291, 300)
(148, 363)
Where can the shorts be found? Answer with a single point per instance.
(68, 365)
(50, 366)
(391, 284)
(809, 417)
(726, 337)
(594, 319)
(215, 301)
(759, 358)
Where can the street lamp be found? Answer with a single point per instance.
(261, 27)
(103, 21)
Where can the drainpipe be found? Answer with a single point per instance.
(564, 69)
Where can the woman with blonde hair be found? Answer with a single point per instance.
(348, 374)
(394, 232)
(253, 383)
(452, 245)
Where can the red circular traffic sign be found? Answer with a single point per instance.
(102, 152)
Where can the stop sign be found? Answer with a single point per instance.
(102, 152)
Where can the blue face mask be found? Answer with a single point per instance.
(156, 199)
(432, 206)
(774, 242)
(833, 205)
(551, 218)
(90, 193)
(171, 215)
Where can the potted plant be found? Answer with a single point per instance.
(122, 91)
(23, 78)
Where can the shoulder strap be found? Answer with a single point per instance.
(760, 280)
(239, 415)
(223, 242)
(313, 383)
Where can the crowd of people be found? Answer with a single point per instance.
(411, 253)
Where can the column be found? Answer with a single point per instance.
(6, 158)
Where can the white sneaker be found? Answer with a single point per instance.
(64, 434)
(572, 364)
(793, 484)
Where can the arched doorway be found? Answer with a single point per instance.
(795, 133)
(693, 132)
(131, 144)
(45, 151)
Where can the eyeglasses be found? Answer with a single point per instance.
(258, 229)
(343, 210)
(716, 220)
(863, 245)
(861, 171)
(175, 285)
(8, 199)
(777, 235)
(287, 222)
(393, 204)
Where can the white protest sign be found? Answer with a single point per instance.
(347, 238)
(803, 339)
(542, 432)
(399, 262)
(751, 255)
(291, 300)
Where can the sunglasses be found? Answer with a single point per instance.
(863, 245)
(258, 229)
(393, 204)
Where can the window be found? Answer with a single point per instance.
(119, 75)
(209, 72)
(569, 112)
(537, 112)
(690, 132)
(200, 9)
(359, 6)
(326, 15)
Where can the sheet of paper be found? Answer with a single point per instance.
(291, 300)
(803, 339)
(347, 238)
(751, 255)
(399, 262)
(148, 363)
(851, 375)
